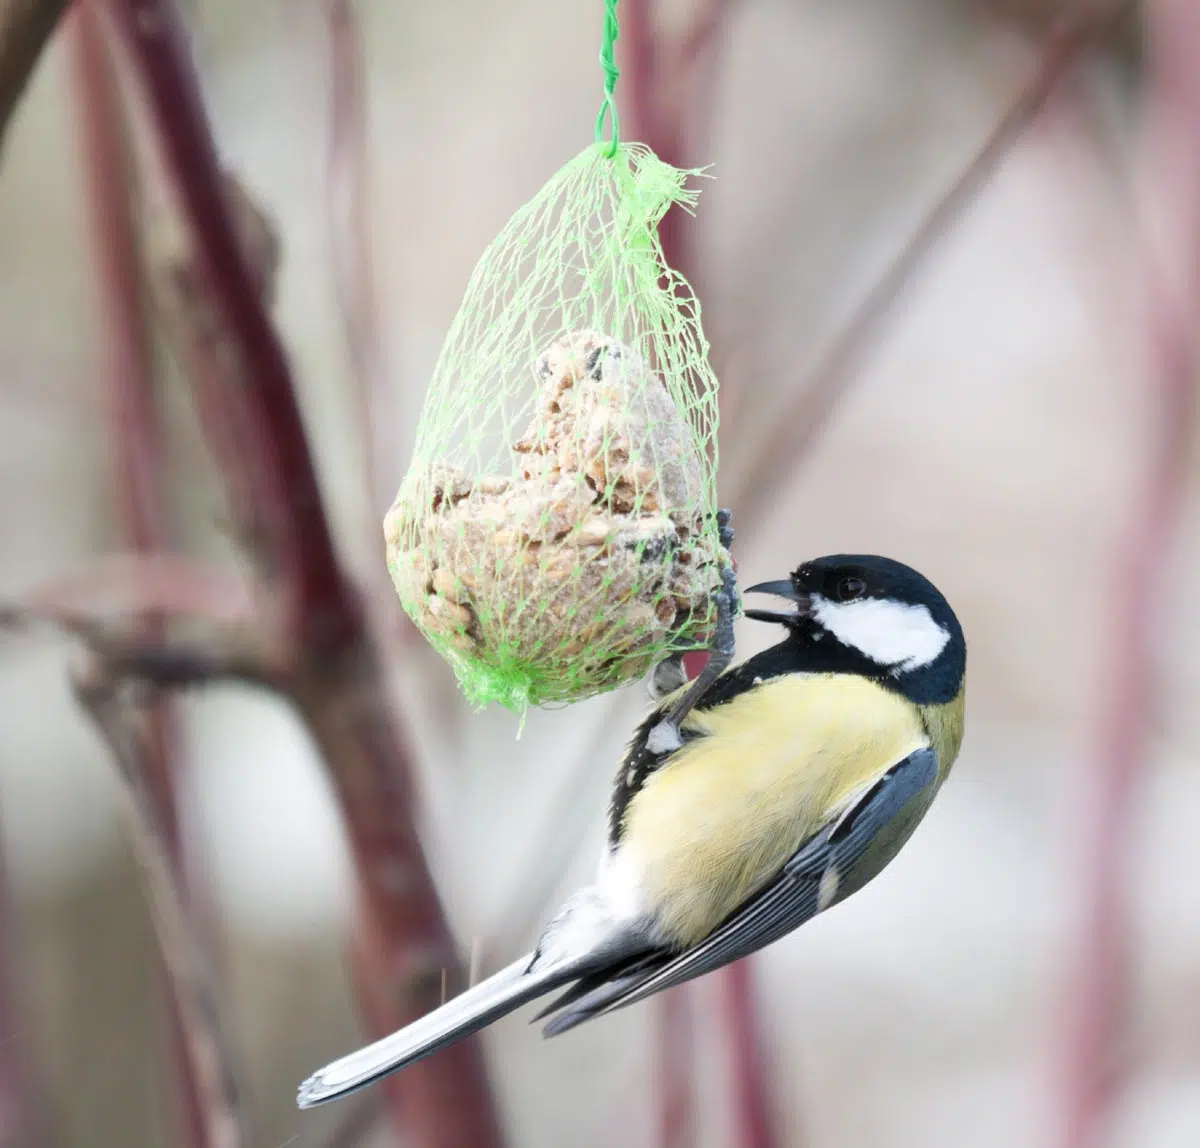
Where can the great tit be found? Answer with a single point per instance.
(798, 776)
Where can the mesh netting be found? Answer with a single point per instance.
(556, 533)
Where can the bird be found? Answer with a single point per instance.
(797, 777)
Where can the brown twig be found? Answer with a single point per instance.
(348, 195)
(123, 722)
(789, 434)
(792, 434)
(25, 29)
(139, 476)
(676, 1068)
(655, 98)
(1171, 273)
(669, 89)
(668, 92)
(211, 651)
(125, 586)
(127, 382)
(323, 612)
(183, 303)
(405, 960)
(753, 1128)
(207, 630)
(669, 104)
(333, 674)
(348, 178)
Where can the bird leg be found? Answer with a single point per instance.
(669, 675)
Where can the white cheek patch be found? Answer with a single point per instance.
(891, 633)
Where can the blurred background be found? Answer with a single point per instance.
(997, 437)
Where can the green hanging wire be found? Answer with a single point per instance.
(608, 109)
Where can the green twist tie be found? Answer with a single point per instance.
(608, 109)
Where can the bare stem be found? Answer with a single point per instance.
(669, 94)
(406, 961)
(123, 723)
(331, 669)
(127, 382)
(139, 480)
(792, 431)
(183, 300)
(123, 586)
(752, 1123)
(183, 652)
(348, 178)
(1098, 980)
(666, 88)
(677, 1068)
(324, 611)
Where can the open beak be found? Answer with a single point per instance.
(781, 589)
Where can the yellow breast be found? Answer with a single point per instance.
(722, 817)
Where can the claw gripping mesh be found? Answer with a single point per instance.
(556, 533)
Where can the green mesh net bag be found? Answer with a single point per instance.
(556, 534)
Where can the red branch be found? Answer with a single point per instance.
(134, 430)
(753, 1127)
(676, 1067)
(668, 97)
(348, 178)
(669, 90)
(669, 103)
(790, 433)
(660, 97)
(404, 947)
(122, 585)
(350, 248)
(139, 475)
(1099, 975)
(325, 612)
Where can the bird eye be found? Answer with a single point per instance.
(849, 588)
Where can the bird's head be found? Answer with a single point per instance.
(860, 613)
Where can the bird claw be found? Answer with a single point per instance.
(725, 532)
(669, 675)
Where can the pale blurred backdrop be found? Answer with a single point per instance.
(993, 439)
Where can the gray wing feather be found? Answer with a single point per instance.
(794, 897)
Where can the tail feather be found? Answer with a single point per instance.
(468, 1012)
(585, 986)
(574, 1008)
